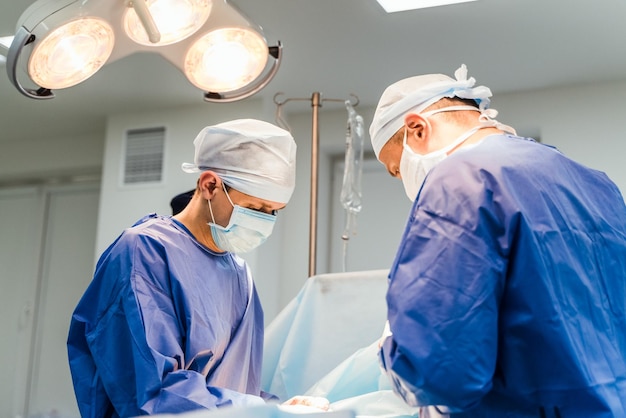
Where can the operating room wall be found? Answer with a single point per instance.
(585, 122)
(44, 158)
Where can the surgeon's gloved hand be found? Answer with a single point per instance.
(306, 404)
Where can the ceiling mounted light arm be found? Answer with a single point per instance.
(148, 23)
(275, 52)
(22, 38)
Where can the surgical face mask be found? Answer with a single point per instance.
(246, 230)
(414, 167)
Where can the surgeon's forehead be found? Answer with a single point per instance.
(391, 153)
(393, 142)
(398, 136)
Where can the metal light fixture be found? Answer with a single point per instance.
(60, 43)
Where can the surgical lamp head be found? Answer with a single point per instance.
(61, 43)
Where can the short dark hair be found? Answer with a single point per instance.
(180, 201)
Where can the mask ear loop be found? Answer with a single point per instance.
(227, 196)
(405, 145)
(211, 210)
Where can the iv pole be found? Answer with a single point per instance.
(316, 102)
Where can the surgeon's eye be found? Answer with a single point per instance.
(265, 211)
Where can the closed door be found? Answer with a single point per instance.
(47, 241)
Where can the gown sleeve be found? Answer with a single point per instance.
(130, 334)
(444, 291)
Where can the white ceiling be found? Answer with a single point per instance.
(338, 47)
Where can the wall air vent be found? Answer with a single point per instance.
(144, 155)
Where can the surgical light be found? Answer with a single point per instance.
(60, 43)
(175, 20)
(71, 53)
(226, 59)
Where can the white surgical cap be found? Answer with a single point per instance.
(415, 94)
(251, 156)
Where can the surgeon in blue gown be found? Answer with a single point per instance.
(507, 295)
(171, 321)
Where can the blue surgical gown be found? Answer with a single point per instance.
(166, 326)
(507, 296)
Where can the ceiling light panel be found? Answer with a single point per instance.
(392, 6)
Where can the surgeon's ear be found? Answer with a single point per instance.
(209, 184)
(418, 126)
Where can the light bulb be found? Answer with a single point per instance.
(226, 59)
(71, 53)
(175, 20)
